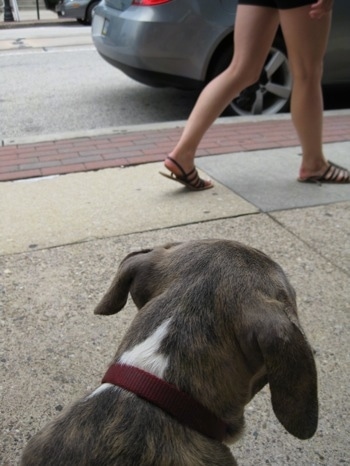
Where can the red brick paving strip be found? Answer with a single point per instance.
(137, 147)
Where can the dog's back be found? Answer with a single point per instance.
(116, 428)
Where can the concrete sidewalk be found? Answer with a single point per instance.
(62, 238)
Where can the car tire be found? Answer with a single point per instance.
(269, 95)
(89, 12)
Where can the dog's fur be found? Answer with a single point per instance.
(218, 320)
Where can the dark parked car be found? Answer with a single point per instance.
(81, 10)
(185, 43)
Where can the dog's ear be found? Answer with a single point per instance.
(115, 298)
(291, 373)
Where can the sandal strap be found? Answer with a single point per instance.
(334, 171)
(191, 177)
(195, 180)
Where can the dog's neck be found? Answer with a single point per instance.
(169, 398)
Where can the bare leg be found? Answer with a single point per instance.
(306, 41)
(255, 28)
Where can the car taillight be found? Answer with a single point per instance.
(149, 2)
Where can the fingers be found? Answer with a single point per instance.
(320, 8)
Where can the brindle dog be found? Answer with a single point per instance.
(217, 321)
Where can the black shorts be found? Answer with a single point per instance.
(279, 4)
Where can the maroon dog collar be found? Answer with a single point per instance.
(170, 399)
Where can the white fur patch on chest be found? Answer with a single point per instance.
(146, 355)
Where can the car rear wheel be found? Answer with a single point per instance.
(89, 12)
(271, 93)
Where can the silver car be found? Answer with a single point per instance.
(186, 43)
(81, 10)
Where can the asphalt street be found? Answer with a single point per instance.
(69, 87)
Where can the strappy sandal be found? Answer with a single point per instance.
(191, 179)
(330, 175)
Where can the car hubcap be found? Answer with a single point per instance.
(271, 93)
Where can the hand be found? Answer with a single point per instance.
(320, 8)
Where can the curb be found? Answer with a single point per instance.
(36, 23)
(151, 127)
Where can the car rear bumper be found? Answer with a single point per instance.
(153, 78)
(129, 40)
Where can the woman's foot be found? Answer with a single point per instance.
(190, 179)
(331, 174)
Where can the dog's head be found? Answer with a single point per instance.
(248, 295)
